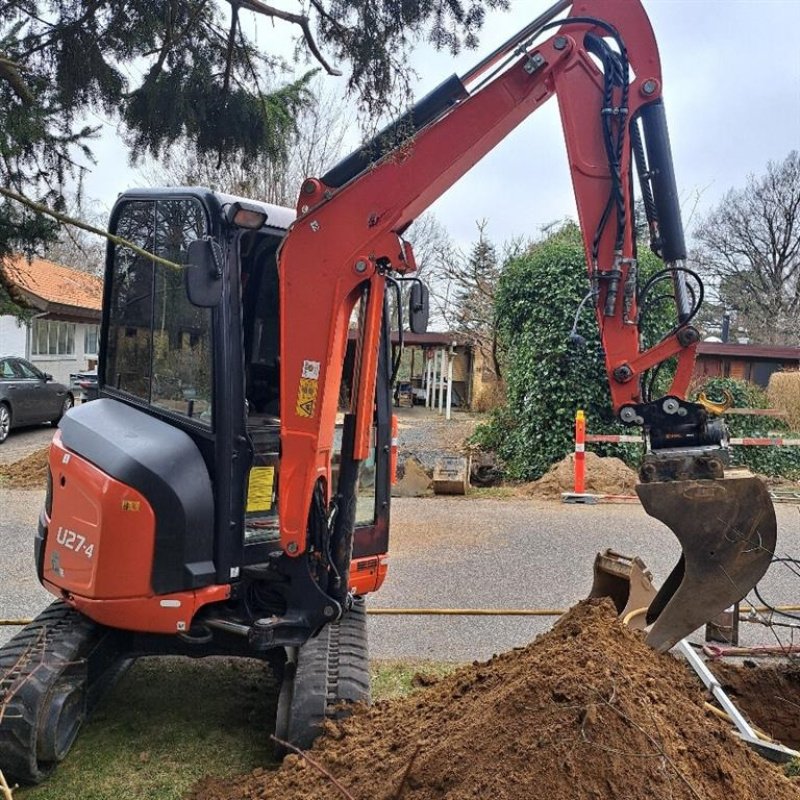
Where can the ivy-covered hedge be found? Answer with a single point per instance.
(547, 378)
(783, 462)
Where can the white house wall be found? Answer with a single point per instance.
(13, 337)
(14, 341)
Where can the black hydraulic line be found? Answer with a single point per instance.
(400, 330)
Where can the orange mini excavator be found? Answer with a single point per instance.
(208, 503)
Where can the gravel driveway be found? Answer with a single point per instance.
(458, 552)
(24, 441)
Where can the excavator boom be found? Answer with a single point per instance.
(601, 62)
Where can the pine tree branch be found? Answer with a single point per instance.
(67, 220)
(297, 19)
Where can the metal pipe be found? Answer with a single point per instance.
(683, 301)
(227, 626)
(441, 380)
(519, 36)
(771, 750)
(449, 384)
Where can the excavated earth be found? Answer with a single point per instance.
(603, 476)
(585, 712)
(768, 695)
(27, 473)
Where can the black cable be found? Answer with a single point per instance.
(772, 608)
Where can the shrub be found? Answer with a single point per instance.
(547, 378)
(783, 462)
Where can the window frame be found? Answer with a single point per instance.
(53, 329)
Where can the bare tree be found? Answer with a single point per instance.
(435, 253)
(750, 251)
(76, 248)
(465, 286)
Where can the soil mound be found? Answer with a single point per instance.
(585, 712)
(27, 473)
(603, 476)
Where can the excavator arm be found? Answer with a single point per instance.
(602, 64)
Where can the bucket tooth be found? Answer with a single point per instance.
(626, 580)
(727, 530)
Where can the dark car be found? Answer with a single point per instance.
(86, 382)
(29, 396)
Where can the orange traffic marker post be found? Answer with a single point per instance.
(580, 452)
(578, 495)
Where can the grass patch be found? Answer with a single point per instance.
(172, 721)
(169, 722)
(392, 679)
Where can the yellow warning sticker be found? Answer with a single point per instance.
(259, 489)
(306, 397)
(131, 505)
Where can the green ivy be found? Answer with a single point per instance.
(547, 378)
(781, 462)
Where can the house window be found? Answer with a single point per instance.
(51, 338)
(90, 340)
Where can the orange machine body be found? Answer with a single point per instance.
(98, 554)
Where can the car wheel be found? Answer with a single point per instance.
(69, 401)
(5, 422)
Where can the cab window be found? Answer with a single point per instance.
(159, 344)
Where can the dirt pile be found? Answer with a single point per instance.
(603, 476)
(412, 480)
(27, 473)
(585, 712)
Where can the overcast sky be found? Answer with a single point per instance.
(732, 91)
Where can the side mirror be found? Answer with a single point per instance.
(204, 273)
(418, 308)
(47, 377)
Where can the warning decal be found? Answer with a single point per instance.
(259, 489)
(311, 370)
(306, 397)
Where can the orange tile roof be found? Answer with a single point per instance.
(53, 283)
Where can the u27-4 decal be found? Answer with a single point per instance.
(74, 541)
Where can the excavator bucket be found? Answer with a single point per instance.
(627, 581)
(727, 530)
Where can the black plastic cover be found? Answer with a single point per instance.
(446, 94)
(164, 465)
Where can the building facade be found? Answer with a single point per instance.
(61, 330)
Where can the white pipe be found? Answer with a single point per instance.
(428, 366)
(441, 381)
(449, 383)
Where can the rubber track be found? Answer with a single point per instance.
(55, 644)
(331, 669)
